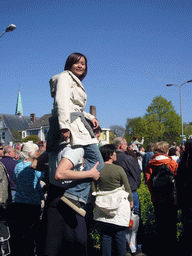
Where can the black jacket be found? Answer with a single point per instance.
(131, 167)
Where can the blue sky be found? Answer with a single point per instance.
(134, 48)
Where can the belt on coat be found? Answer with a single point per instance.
(75, 115)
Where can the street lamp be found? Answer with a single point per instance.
(181, 114)
(10, 28)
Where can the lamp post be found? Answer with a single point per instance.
(10, 28)
(181, 112)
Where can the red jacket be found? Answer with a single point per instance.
(156, 160)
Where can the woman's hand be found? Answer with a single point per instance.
(95, 123)
(65, 134)
(94, 173)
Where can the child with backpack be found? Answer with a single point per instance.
(160, 178)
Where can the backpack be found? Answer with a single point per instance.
(5, 191)
(163, 184)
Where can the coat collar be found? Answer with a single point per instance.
(119, 151)
(76, 79)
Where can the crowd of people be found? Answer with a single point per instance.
(64, 225)
(79, 176)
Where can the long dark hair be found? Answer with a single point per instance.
(74, 58)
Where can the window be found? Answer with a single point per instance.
(24, 134)
(34, 132)
(2, 136)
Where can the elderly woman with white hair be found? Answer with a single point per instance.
(27, 200)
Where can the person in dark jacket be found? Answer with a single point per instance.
(184, 192)
(146, 158)
(10, 163)
(128, 163)
(132, 169)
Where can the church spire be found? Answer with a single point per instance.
(19, 108)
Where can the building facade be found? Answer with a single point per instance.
(39, 127)
(12, 128)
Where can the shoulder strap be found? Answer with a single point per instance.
(3, 166)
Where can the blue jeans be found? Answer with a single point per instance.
(136, 203)
(81, 188)
(77, 189)
(113, 234)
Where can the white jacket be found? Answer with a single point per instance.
(112, 207)
(70, 96)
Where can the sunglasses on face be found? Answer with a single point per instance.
(1, 148)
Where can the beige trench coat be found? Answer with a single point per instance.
(70, 96)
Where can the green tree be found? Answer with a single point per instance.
(16, 136)
(34, 138)
(187, 129)
(111, 137)
(154, 129)
(135, 127)
(148, 127)
(160, 122)
(165, 114)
